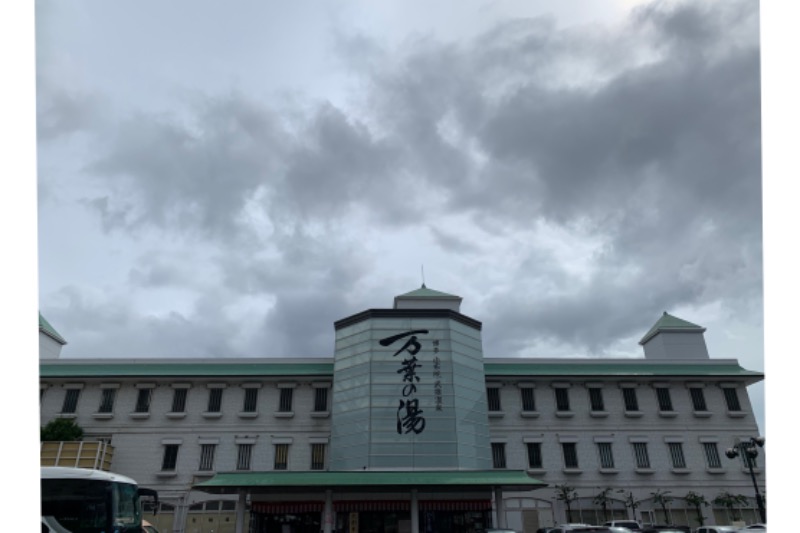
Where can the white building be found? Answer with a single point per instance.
(409, 428)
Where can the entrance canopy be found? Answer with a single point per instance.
(451, 480)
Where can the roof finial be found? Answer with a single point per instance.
(422, 270)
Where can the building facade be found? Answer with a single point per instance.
(409, 428)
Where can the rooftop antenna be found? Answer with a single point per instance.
(422, 270)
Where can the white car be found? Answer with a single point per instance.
(717, 529)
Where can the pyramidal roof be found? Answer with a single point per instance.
(669, 323)
(50, 331)
(425, 292)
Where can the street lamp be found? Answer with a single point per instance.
(749, 450)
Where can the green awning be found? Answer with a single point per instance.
(450, 479)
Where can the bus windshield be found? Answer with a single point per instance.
(91, 505)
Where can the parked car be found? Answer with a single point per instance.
(754, 526)
(716, 529)
(630, 524)
(666, 528)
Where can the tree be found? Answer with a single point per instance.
(730, 502)
(568, 495)
(660, 497)
(630, 501)
(602, 499)
(697, 501)
(60, 429)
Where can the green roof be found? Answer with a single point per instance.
(424, 292)
(86, 368)
(517, 479)
(192, 368)
(50, 331)
(636, 368)
(668, 322)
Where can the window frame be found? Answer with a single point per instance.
(285, 399)
(499, 455)
(605, 451)
(698, 398)
(732, 401)
(569, 453)
(318, 453)
(641, 455)
(169, 458)
(281, 460)
(535, 459)
(493, 403)
(528, 399)
(676, 455)
(179, 396)
(214, 404)
(244, 456)
(72, 396)
(144, 397)
(630, 399)
(596, 401)
(664, 399)
(207, 454)
(562, 399)
(250, 400)
(107, 398)
(711, 454)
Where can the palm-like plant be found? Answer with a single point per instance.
(661, 498)
(630, 501)
(697, 501)
(567, 494)
(730, 502)
(602, 499)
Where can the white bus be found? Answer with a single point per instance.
(80, 500)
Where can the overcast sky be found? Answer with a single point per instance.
(228, 179)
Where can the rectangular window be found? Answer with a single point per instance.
(214, 400)
(744, 460)
(631, 402)
(493, 397)
(318, 456)
(498, 455)
(640, 455)
(170, 460)
(143, 401)
(732, 399)
(562, 399)
(70, 401)
(281, 456)
(534, 455)
(570, 451)
(285, 402)
(712, 454)
(664, 399)
(179, 400)
(528, 399)
(698, 399)
(250, 400)
(676, 454)
(207, 452)
(606, 454)
(243, 456)
(107, 401)
(321, 399)
(596, 399)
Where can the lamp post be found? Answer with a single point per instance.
(748, 449)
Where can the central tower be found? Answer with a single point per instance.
(409, 390)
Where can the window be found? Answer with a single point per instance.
(596, 399)
(528, 399)
(179, 400)
(107, 401)
(170, 459)
(732, 399)
(498, 454)
(631, 402)
(744, 460)
(250, 400)
(493, 397)
(318, 456)
(207, 452)
(562, 399)
(214, 400)
(321, 399)
(712, 454)
(606, 454)
(281, 456)
(143, 401)
(570, 451)
(243, 456)
(534, 455)
(698, 399)
(640, 455)
(285, 402)
(70, 401)
(664, 399)
(676, 454)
